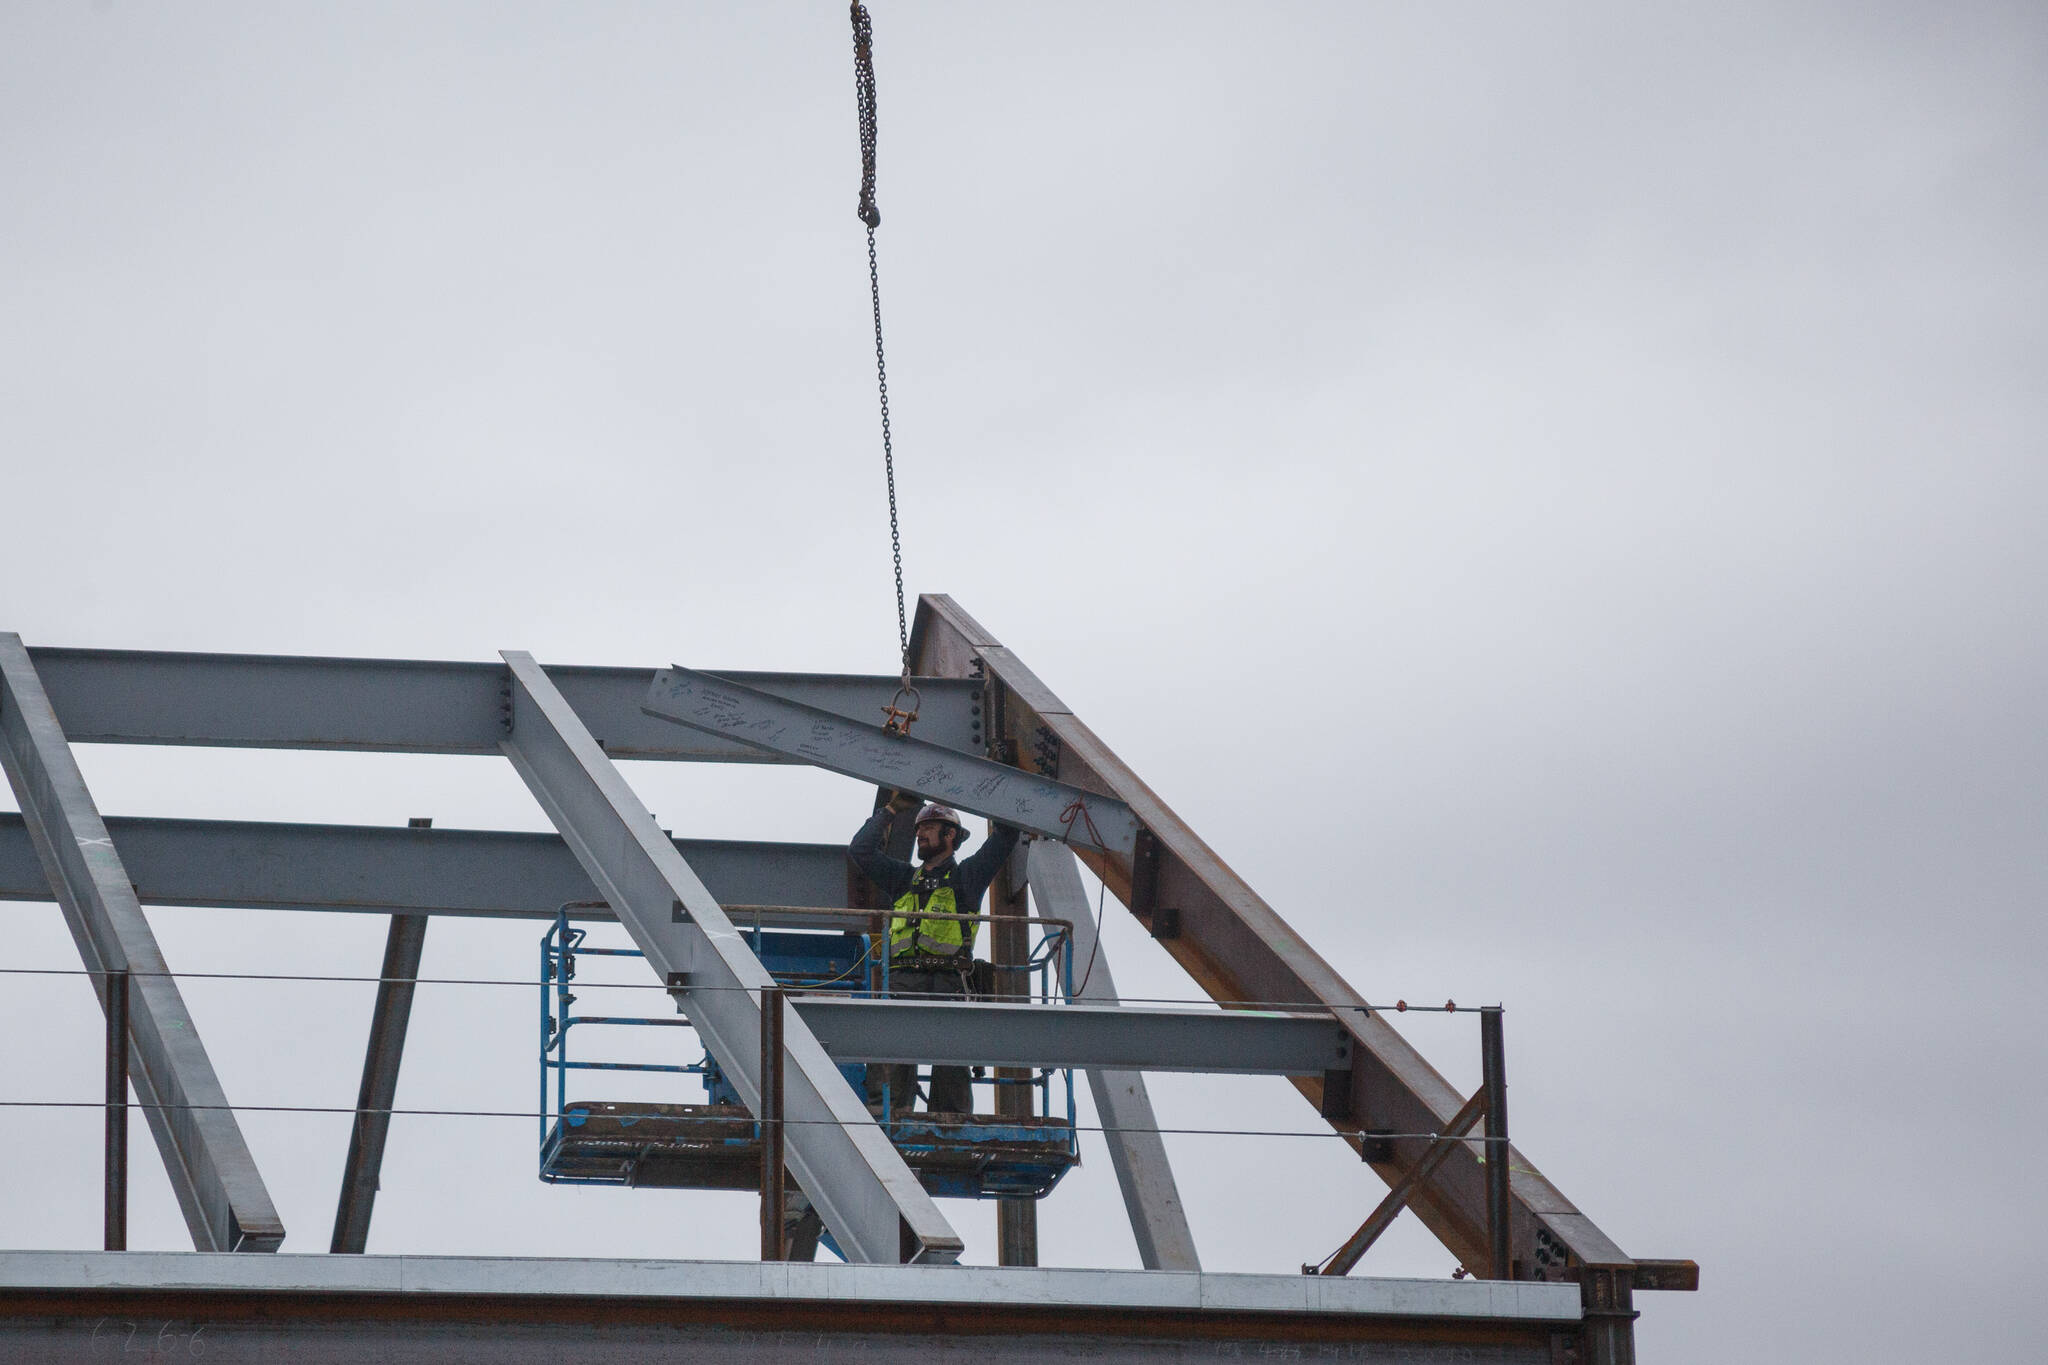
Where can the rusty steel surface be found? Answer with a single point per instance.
(1493, 1064)
(1239, 949)
(238, 1332)
(1382, 1217)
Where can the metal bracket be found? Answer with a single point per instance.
(1337, 1094)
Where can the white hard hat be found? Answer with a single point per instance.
(945, 815)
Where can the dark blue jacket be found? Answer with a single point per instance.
(893, 876)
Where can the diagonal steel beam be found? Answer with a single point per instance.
(388, 1020)
(223, 1198)
(1239, 949)
(1137, 1153)
(1382, 1217)
(854, 748)
(840, 1157)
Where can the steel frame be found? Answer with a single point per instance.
(256, 701)
(841, 1157)
(990, 737)
(795, 733)
(223, 1198)
(1237, 949)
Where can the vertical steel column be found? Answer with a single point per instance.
(1494, 1069)
(1009, 948)
(774, 1199)
(389, 1018)
(117, 1112)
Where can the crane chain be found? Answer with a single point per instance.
(864, 104)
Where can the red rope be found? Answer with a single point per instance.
(1079, 807)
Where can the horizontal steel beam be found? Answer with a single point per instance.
(220, 1192)
(111, 696)
(857, 1181)
(60, 1307)
(730, 708)
(990, 1033)
(490, 873)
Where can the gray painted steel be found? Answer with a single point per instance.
(797, 1281)
(419, 1310)
(1001, 1033)
(231, 863)
(840, 1157)
(92, 1334)
(804, 734)
(223, 1198)
(107, 696)
(389, 1017)
(1137, 1153)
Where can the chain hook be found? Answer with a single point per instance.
(900, 718)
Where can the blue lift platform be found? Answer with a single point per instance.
(714, 1143)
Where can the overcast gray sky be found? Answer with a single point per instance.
(1552, 492)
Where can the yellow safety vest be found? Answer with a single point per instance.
(932, 893)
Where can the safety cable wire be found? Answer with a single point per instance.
(529, 1115)
(533, 983)
(869, 214)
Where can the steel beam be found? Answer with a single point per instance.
(382, 870)
(1238, 949)
(1137, 1153)
(388, 1020)
(116, 1196)
(1382, 1217)
(1009, 908)
(223, 1198)
(57, 1308)
(108, 696)
(806, 734)
(839, 1156)
(998, 1033)
(1493, 1066)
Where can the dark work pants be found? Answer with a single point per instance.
(951, 1092)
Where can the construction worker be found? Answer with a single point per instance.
(929, 957)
